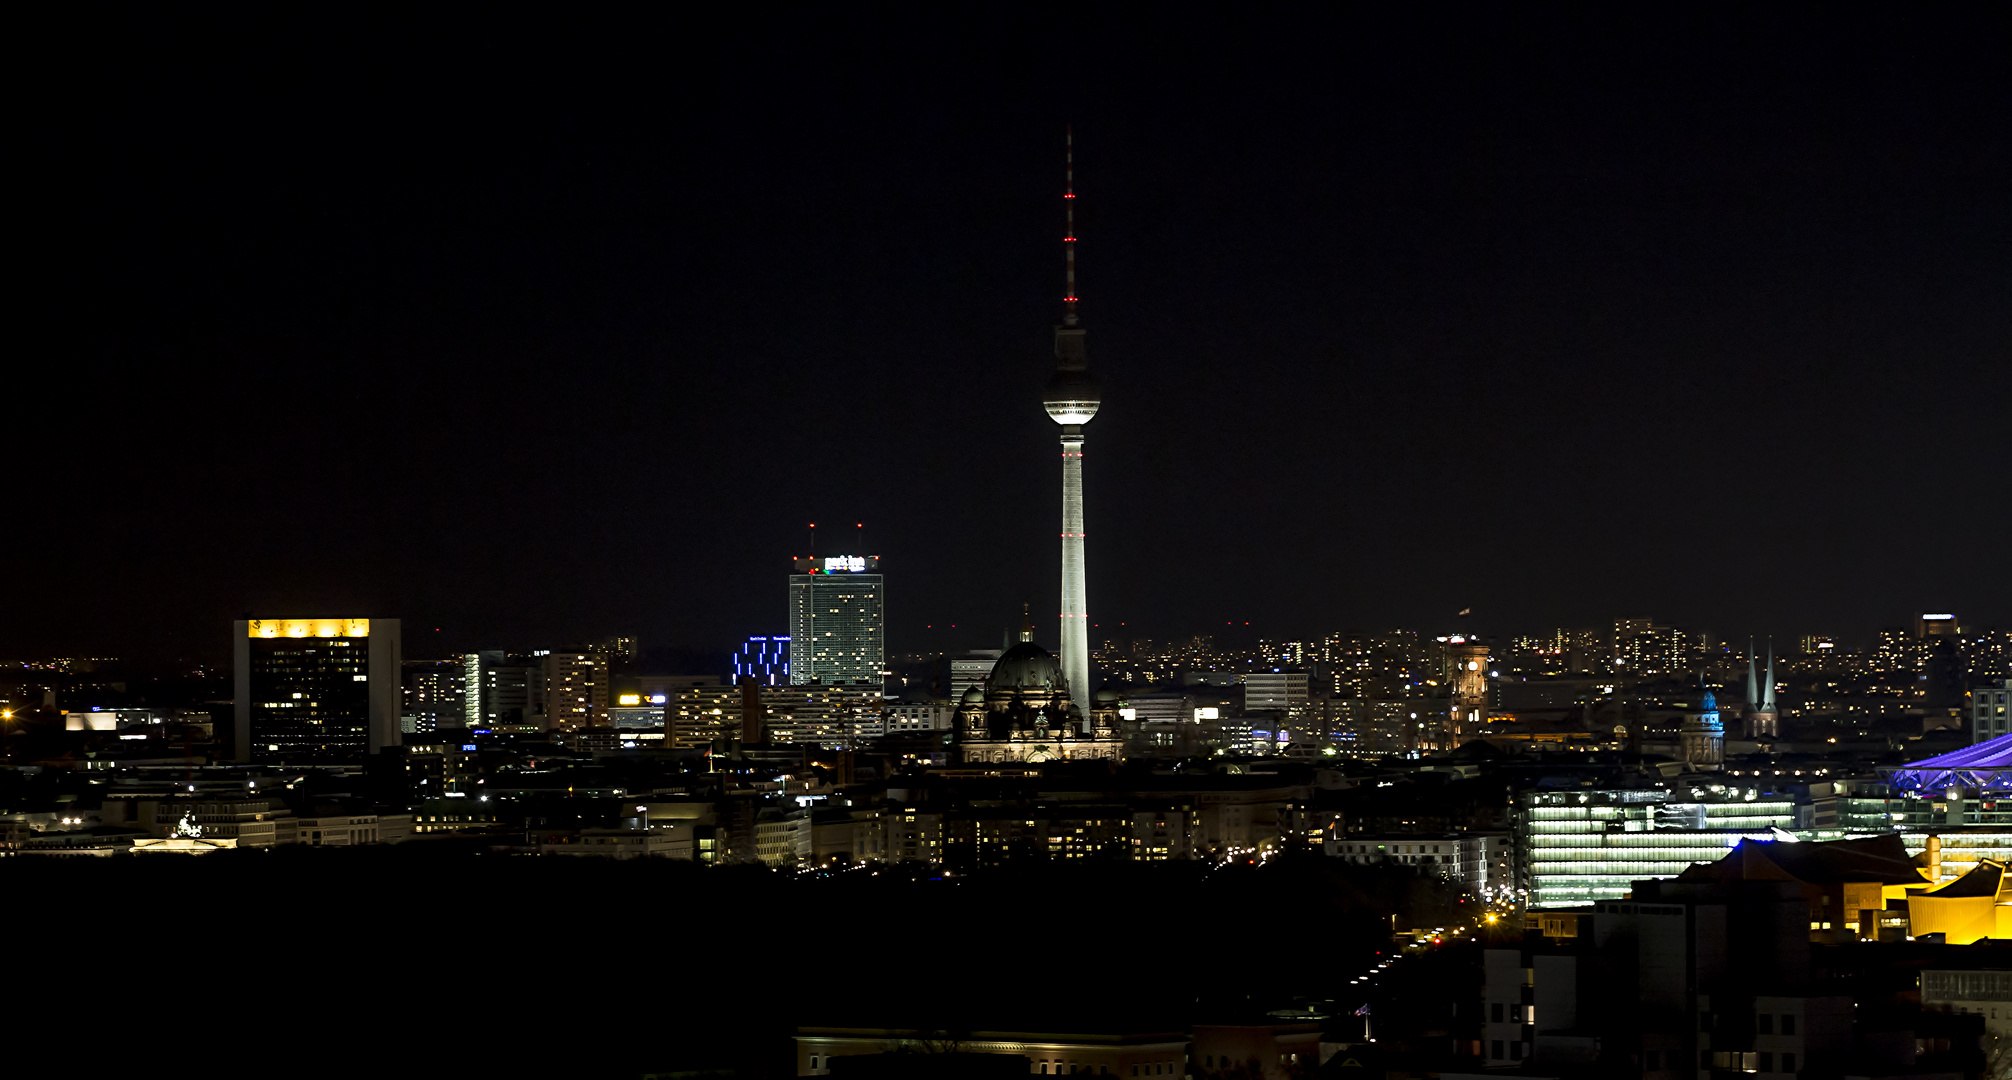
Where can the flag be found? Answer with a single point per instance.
(1364, 1011)
(1467, 611)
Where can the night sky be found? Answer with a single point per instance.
(542, 328)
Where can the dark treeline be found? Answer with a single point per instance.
(592, 968)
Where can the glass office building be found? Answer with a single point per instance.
(837, 621)
(1578, 847)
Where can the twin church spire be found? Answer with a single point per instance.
(1761, 717)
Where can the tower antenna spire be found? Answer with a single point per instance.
(1069, 231)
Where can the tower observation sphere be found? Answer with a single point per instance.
(1072, 396)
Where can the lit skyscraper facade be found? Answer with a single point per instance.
(837, 621)
(316, 690)
(763, 659)
(433, 696)
(1071, 399)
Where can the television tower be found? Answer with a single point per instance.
(1071, 399)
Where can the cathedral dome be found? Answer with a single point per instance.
(1027, 666)
(1107, 696)
(974, 696)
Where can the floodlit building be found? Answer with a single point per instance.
(316, 690)
(1763, 720)
(838, 621)
(1026, 712)
(1704, 735)
(1578, 847)
(1483, 863)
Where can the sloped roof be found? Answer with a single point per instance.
(1883, 859)
(1984, 879)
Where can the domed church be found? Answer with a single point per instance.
(1023, 713)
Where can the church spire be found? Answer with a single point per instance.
(1753, 678)
(1767, 688)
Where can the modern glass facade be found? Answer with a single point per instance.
(837, 621)
(1579, 847)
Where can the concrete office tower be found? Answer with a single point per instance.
(316, 690)
(837, 621)
(1762, 721)
(1072, 399)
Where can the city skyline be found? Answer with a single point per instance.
(1546, 354)
(1552, 613)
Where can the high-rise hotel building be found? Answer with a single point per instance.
(837, 621)
(316, 690)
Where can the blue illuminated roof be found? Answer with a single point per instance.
(1986, 765)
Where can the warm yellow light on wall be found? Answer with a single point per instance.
(300, 628)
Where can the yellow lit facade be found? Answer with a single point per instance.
(307, 628)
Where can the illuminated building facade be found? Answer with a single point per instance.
(433, 696)
(971, 669)
(1282, 692)
(1483, 863)
(1026, 713)
(1990, 709)
(1643, 648)
(1578, 847)
(763, 659)
(1703, 735)
(837, 621)
(1467, 676)
(502, 692)
(316, 690)
(576, 689)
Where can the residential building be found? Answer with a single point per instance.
(576, 689)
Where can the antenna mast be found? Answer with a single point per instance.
(1069, 233)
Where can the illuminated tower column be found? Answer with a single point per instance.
(1071, 399)
(1075, 590)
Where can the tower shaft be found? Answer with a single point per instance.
(1075, 591)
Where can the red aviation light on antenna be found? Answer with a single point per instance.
(1068, 194)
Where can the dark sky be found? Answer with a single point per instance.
(543, 327)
